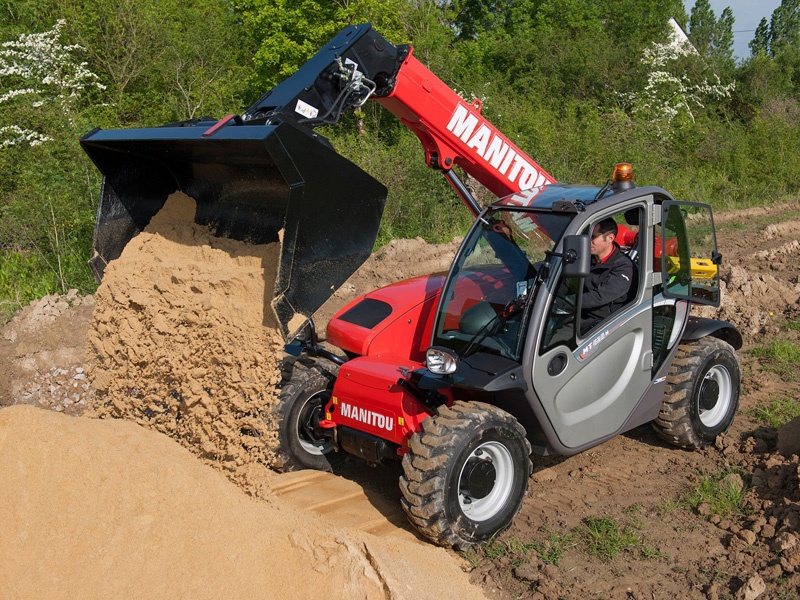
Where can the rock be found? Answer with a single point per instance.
(544, 475)
(752, 589)
(789, 438)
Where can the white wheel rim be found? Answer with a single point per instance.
(316, 449)
(482, 509)
(713, 416)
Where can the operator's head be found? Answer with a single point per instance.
(603, 235)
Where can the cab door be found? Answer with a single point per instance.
(589, 384)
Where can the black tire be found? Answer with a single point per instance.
(304, 391)
(466, 474)
(702, 394)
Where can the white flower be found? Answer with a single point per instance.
(39, 67)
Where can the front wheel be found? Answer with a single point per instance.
(702, 394)
(304, 392)
(466, 474)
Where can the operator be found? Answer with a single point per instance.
(612, 280)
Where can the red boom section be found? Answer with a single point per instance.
(453, 132)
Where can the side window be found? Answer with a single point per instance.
(614, 281)
(578, 305)
(687, 254)
(560, 323)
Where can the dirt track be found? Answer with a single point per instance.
(634, 479)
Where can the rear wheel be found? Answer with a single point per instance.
(702, 394)
(466, 474)
(304, 392)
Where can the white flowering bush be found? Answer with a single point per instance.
(38, 70)
(671, 92)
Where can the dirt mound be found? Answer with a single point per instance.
(106, 509)
(184, 341)
(39, 349)
(759, 287)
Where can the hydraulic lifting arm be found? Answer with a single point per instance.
(359, 64)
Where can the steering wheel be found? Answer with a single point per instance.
(564, 305)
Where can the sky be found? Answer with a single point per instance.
(747, 13)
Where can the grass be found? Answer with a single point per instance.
(550, 549)
(669, 506)
(777, 413)
(722, 492)
(604, 538)
(781, 357)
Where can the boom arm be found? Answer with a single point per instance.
(359, 64)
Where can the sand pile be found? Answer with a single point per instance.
(184, 340)
(105, 509)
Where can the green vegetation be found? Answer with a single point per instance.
(781, 357)
(550, 549)
(777, 413)
(579, 86)
(553, 547)
(719, 494)
(605, 538)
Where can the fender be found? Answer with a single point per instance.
(698, 327)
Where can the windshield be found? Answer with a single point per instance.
(489, 287)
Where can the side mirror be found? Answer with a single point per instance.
(577, 256)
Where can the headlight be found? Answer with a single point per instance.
(440, 361)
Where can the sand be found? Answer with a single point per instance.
(184, 340)
(106, 509)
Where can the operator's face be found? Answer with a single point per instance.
(602, 244)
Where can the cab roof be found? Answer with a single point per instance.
(544, 197)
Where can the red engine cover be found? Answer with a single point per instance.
(397, 318)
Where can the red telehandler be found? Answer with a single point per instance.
(459, 376)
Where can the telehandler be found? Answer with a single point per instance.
(460, 375)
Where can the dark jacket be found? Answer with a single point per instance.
(610, 285)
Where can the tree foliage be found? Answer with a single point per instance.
(578, 84)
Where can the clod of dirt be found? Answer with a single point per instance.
(184, 340)
(789, 438)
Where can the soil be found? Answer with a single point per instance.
(182, 340)
(70, 483)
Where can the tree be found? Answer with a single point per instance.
(674, 91)
(781, 34)
(760, 43)
(286, 33)
(39, 76)
(473, 17)
(785, 27)
(712, 37)
(162, 61)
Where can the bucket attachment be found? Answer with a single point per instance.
(250, 182)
